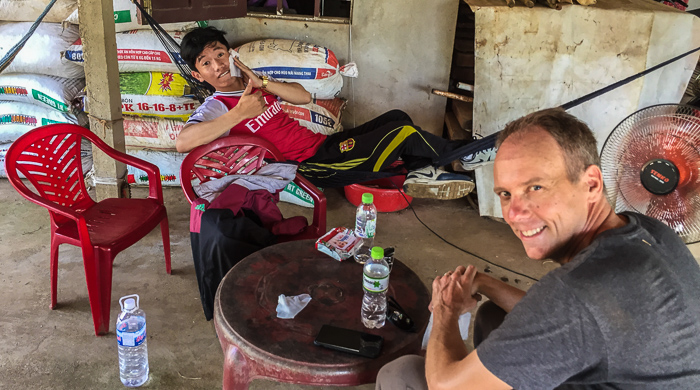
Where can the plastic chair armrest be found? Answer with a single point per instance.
(155, 187)
(319, 198)
(51, 206)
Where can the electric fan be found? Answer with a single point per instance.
(651, 165)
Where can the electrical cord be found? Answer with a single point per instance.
(455, 246)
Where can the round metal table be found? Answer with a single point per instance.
(257, 344)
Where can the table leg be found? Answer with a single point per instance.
(237, 373)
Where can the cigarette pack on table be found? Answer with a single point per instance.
(339, 243)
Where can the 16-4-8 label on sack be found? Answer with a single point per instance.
(375, 285)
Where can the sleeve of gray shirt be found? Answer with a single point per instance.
(546, 339)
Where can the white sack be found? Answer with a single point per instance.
(42, 90)
(125, 19)
(151, 133)
(137, 51)
(319, 116)
(29, 10)
(167, 162)
(42, 52)
(314, 67)
(18, 118)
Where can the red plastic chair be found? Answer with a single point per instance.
(49, 157)
(244, 155)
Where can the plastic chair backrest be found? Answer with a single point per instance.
(49, 157)
(232, 155)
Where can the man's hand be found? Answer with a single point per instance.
(455, 292)
(252, 77)
(250, 105)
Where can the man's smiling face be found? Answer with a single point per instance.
(543, 207)
(213, 67)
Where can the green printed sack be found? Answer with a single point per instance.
(153, 84)
(46, 91)
(296, 195)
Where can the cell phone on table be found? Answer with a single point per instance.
(350, 341)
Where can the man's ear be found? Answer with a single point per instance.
(198, 76)
(593, 177)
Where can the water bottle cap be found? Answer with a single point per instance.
(377, 252)
(367, 198)
(129, 304)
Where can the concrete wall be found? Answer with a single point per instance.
(403, 49)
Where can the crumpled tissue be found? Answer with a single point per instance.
(463, 321)
(289, 307)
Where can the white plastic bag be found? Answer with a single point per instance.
(46, 91)
(319, 116)
(151, 133)
(17, 118)
(137, 51)
(314, 67)
(42, 52)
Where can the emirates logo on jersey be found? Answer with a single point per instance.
(255, 124)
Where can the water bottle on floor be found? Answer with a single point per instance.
(131, 340)
(365, 227)
(375, 282)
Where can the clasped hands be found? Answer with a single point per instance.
(455, 292)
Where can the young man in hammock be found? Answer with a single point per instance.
(249, 105)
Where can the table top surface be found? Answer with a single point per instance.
(248, 297)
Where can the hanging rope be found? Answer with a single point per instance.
(200, 90)
(10, 56)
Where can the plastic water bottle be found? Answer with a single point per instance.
(375, 282)
(131, 340)
(365, 227)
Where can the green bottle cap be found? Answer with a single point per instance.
(367, 198)
(377, 252)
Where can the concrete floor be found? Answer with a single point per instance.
(57, 349)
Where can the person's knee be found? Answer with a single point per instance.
(489, 316)
(406, 372)
(399, 116)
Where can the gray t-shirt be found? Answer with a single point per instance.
(623, 314)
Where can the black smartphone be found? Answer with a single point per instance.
(350, 341)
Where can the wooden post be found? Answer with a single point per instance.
(102, 79)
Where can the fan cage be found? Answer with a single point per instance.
(666, 131)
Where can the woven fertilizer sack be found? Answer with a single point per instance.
(126, 19)
(85, 157)
(312, 66)
(29, 10)
(46, 91)
(18, 118)
(43, 50)
(294, 194)
(319, 116)
(153, 84)
(151, 133)
(167, 162)
(168, 107)
(137, 51)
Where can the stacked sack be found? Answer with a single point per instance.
(314, 67)
(156, 100)
(37, 88)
